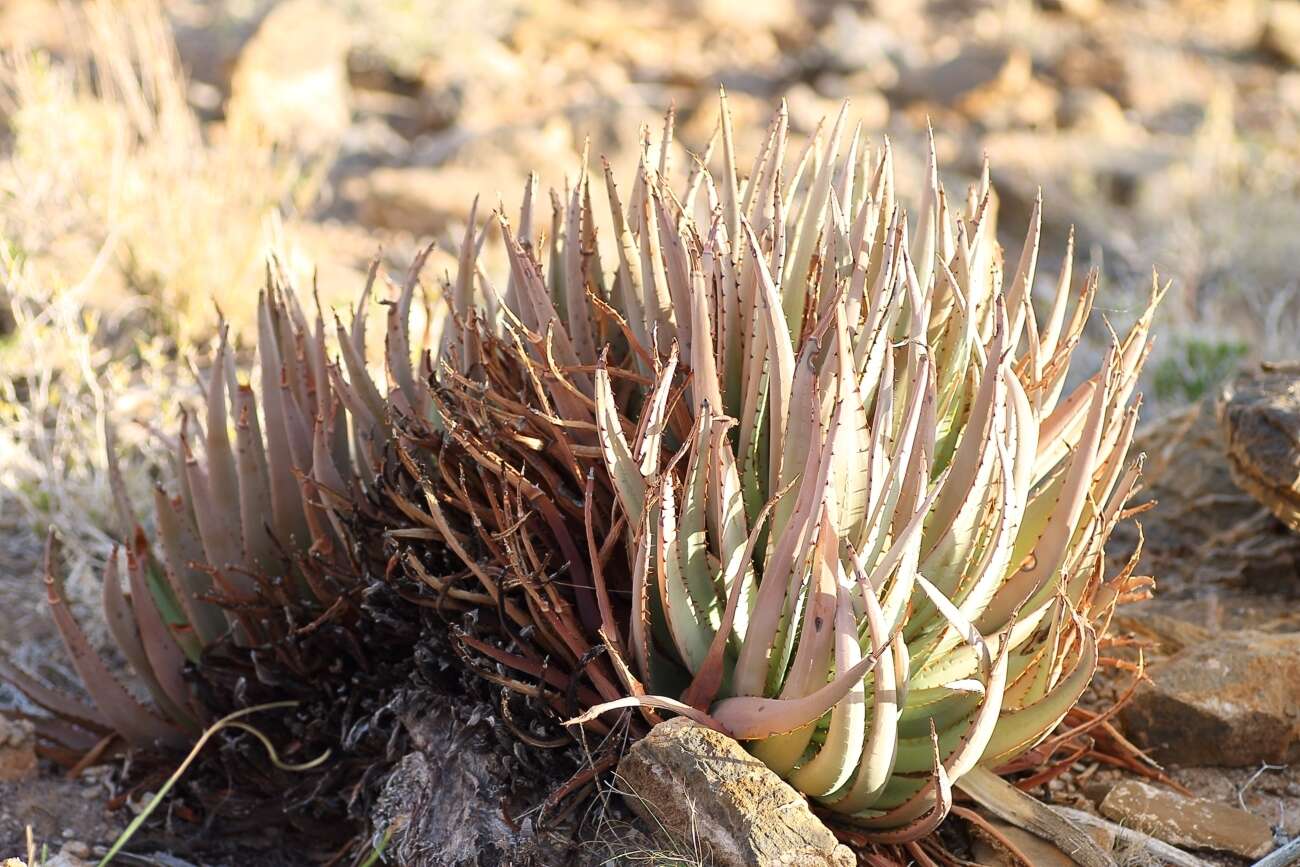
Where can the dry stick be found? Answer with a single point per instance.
(228, 721)
(1012, 805)
(1284, 857)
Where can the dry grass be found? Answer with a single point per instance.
(57, 373)
(113, 186)
(123, 227)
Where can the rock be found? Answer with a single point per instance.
(290, 84)
(1232, 701)
(27, 25)
(1281, 34)
(867, 105)
(853, 44)
(989, 83)
(1192, 822)
(1260, 417)
(419, 200)
(444, 803)
(17, 750)
(808, 108)
(1208, 533)
(1082, 9)
(1041, 853)
(1167, 634)
(972, 76)
(697, 783)
(61, 859)
(1097, 113)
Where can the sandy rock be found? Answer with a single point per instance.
(1082, 9)
(1260, 417)
(422, 201)
(972, 77)
(1232, 701)
(34, 24)
(1097, 63)
(694, 781)
(1167, 634)
(1281, 35)
(17, 750)
(1209, 532)
(290, 84)
(1097, 113)
(1191, 822)
(809, 106)
(858, 45)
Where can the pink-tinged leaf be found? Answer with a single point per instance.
(289, 522)
(55, 701)
(658, 702)
(577, 309)
(921, 814)
(752, 718)
(777, 338)
(181, 548)
(841, 750)
(116, 484)
(122, 625)
(397, 346)
(622, 468)
(255, 509)
(223, 480)
(330, 484)
(649, 436)
(119, 708)
(217, 530)
(166, 660)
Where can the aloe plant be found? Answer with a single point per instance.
(799, 467)
(251, 539)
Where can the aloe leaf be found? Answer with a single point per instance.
(690, 634)
(122, 625)
(738, 578)
(289, 522)
(1021, 729)
(752, 718)
(55, 701)
(812, 658)
(881, 745)
(166, 660)
(255, 501)
(119, 708)
(693, 548)
(576, 309)
(116, 484)
(623, 469)
(837, 760)
(814, 219)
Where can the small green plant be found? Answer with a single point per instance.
(1194, 366)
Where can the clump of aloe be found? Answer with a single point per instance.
(758, 448)
(797, 464)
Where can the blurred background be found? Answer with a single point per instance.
(152, 152)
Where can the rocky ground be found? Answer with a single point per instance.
(1164, 132)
